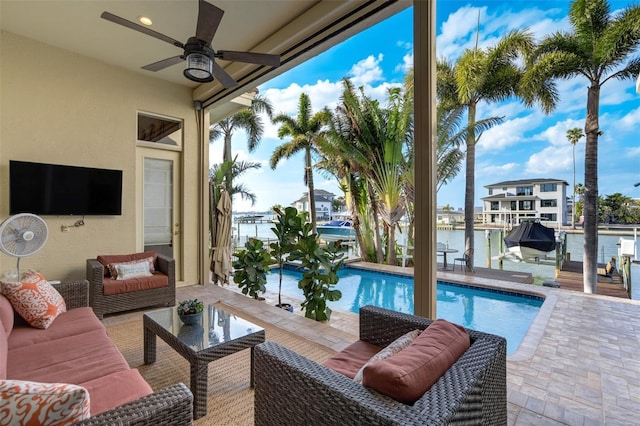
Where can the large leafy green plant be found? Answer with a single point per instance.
(251, 267)
(320, 272)
(287, 226)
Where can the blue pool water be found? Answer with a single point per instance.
(496, 312)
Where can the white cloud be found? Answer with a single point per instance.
(509, 133)
(630, 122)
(366, 71)
(494, 170)
(632, 152)
(407, 63)
(557, 134)
(552, 159)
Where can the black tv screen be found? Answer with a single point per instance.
(56, 190)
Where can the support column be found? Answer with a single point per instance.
(424, 64)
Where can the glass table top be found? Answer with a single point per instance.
(215, 327)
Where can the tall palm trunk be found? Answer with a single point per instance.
(226, 156)
(312, 195)
(373, 201)
(591, 130)
(470, 193)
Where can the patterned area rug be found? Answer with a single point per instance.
(230, 397)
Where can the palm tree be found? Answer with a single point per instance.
(451, 135)
(248, 120)
(490, 75)
(306, 131)
(218, 173)
(599, 48)
(368, 144)
(574, 135)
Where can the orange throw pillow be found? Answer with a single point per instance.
(33, 403)
(407, 375)
(35, 299)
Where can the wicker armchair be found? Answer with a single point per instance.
(106, 304)
(472, 392)
(172, 405)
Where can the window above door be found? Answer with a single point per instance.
(157, 131)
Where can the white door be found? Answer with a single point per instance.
(161, 204)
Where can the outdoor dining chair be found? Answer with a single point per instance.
(465, 261)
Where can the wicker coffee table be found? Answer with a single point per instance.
(219, 334)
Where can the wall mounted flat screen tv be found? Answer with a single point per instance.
(57, 190)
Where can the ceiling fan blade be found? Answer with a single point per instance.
(160, 65)
(132, 25)
(209, 18)
(253, 58)
(223, 77)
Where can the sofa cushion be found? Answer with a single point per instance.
(73, 359)
(74, 322)
(349, 360)
(157, 280)
(407, 375)
(393, 348)
(35, 299)
(115, 389)
(105, 260)
(4, 353)
(33, 403)
(6, 314)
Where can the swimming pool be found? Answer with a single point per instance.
(498, 312)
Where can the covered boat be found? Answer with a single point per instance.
(530, 241)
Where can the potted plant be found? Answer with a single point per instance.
(286, 228)
(320, 265)
(251, 267)
(190, 311)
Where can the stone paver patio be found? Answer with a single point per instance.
(579, 363)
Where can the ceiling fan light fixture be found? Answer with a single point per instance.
(199, 67)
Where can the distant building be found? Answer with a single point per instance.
(449, 217)
(324, 204)
(511, 202)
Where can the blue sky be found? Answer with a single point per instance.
(526, 145)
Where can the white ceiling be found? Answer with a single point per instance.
(76, 26)
(294, 29)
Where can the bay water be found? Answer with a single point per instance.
(486, 250)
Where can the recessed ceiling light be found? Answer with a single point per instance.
(144, 20)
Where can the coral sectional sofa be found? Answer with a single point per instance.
(76, 352)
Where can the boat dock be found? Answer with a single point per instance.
(570, 278)
(253, 219)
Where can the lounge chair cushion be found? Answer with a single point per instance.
(407, 375)
(352, 358)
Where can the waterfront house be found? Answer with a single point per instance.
(324, 204)
(449, 217)
(511, 202)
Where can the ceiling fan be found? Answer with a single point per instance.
(200, 56)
